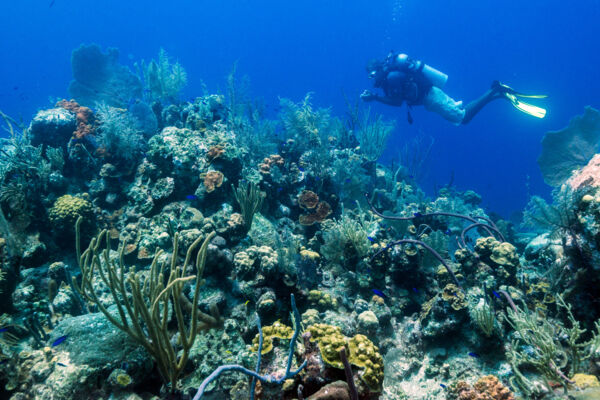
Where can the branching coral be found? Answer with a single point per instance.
(146, 302)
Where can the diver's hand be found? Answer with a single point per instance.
(367, 96)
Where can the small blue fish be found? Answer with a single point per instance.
(443, 386)
(301, 169)
(448, 232)
(369, 270)
(347, 180)
(474, 355)
(371, 238)
(496, 294)
(417, 214)
(3, 330)
(279, 189)
(191, 197)
(59, 340)
(379, 293)
(61, 364)
(415, 290)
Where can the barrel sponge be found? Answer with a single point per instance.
(67, 209)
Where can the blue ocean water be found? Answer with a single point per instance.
(290, 48)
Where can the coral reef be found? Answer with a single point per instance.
(152, 247)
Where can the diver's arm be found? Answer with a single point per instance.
(369, 96)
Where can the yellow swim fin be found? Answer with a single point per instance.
(514, 97)
(527, 108)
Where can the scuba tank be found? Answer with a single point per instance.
(434, 76)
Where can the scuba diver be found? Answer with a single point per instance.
(404, 79)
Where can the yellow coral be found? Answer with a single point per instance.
(330, 340)
(361, 352)
(364, 354)
(277, 330)
(505, 254)
(453, 295)
(583, 381)
(322, 299)
(309, 254)
(67, 209)
(123, 380)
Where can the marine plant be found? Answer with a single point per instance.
(483, 316)
(117, 137)
(306, 126)
(146, 302)
(545, 346)
(24, 173)
(372, 134)
(414, 156)
(250, 199)
(347, 236)
(259, 349)
(162, 79)
(558, 217)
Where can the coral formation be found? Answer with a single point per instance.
(67, 209)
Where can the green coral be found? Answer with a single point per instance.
(483, 316)
(147, 301)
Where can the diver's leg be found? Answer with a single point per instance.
(475, 106)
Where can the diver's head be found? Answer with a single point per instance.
(375, 69)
